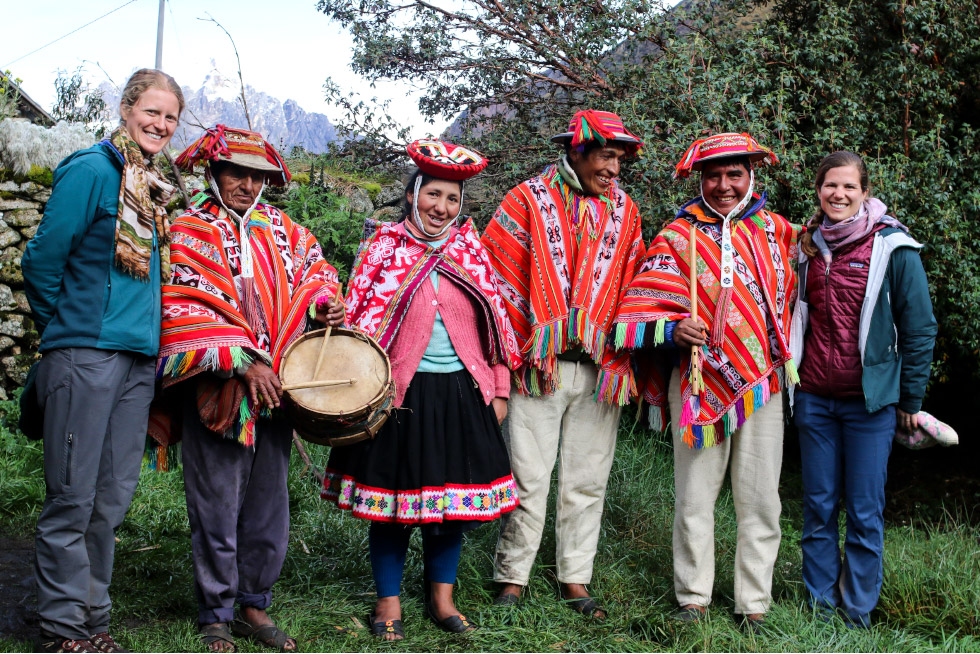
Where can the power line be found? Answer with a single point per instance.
(69, 33)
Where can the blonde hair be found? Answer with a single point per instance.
(838, 159)
(149, 78)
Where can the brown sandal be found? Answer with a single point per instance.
(268, 634)
(217, 637)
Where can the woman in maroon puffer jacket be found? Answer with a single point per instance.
(862, 334)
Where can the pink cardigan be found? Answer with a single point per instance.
(459, 316)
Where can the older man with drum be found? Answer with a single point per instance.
(245, 281)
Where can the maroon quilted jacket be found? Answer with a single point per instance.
(832, 366)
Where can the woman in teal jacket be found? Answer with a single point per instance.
(93, 274)
(862, 335)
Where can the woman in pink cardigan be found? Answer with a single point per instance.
(424, 289)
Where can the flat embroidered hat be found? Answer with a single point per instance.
(601, 126)
(722, 146)
(238, 146)
(444, 160)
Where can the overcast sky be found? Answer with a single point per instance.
(287, 48)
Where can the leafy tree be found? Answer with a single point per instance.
(897, 81)
(76, 102)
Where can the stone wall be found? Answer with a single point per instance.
(21, 207)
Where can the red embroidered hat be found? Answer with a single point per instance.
(445, 160)
(602, 126)
(239, 146)
(720, 146)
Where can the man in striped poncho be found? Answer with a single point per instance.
(732, 413)
(245, 282)
(564, 246)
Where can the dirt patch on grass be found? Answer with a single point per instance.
(18, 597)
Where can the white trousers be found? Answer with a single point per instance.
(581, 434)
(755, 453)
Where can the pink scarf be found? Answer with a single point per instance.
(855, 228)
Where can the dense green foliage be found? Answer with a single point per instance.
(928, 603)
(894, 80)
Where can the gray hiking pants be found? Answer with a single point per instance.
(238, 507)
(96, 404)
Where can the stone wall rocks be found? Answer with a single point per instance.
(21, 208)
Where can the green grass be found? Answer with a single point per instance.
(929, 601)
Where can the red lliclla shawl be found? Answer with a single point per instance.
(562, 276)
(205, 326)
(743, 371)
(390, 268)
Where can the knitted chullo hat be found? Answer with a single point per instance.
(721, 146)
(238, 146)
(601, 126)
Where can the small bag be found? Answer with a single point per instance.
(930, 432)
(31, 421)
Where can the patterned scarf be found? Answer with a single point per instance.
(390, 267)
(855, 228)
(741, 366)
(143, 198)
(204, 324)
(561, 284)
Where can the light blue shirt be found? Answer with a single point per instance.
(439, 355)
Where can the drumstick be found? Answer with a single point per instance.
(319, 383)
(695, 383)
(323, 345)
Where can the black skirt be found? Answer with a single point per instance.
(440, 459)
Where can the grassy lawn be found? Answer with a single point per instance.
(930, 600)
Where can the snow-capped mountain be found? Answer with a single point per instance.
(283, 124)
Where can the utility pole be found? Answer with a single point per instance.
(159, 61)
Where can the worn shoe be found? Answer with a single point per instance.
(454, 624)
(105, 643)
(691, 613)
(52, 643)
(381, 628)
(507, 599)
(756, 625)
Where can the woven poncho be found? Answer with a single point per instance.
(562, 262)
(743, 371)
(205, 326)
(391, 266)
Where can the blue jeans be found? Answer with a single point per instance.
(844, 451)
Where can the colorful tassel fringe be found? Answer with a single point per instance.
(630, 335)
(213, 358)
(701, 436)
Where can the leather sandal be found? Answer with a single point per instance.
(382, 628)
(454, 624)
(268, 634)
(586, 606)
(219, 635)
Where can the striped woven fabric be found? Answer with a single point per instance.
(745, 369)
(390, 267)
(204, 327)
(562, 275)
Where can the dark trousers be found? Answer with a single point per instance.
(845, 452)
(96, 404)
(238, 507)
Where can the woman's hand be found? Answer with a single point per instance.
(907, 421)
(331, 314)
(499, 405)
(688, 333)
(263, 385)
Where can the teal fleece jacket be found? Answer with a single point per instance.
(78, 297)
(897, 329)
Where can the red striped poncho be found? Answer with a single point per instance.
(745, 369)
(391, 266)
(208, 322)
(563, 262)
